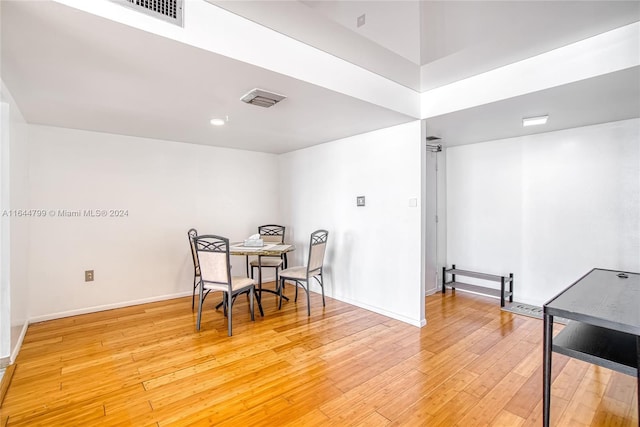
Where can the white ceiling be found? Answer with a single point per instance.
(71, 69)
(464, 38)
(607, 98)
(427, 31)
(451, 39)
(395, 25)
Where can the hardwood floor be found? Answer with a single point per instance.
(146, 365)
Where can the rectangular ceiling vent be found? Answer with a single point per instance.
(262, 98)
(167, 10)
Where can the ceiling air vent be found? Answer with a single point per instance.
(167, 10)
(262, 98)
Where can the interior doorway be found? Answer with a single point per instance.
(433, 216)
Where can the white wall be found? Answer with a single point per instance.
(166, 187)
(19, 197)
(374, 252)
(547, 207)
(15, 231)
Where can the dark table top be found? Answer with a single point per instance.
(603, 299)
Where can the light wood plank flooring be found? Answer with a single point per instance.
(145, 365)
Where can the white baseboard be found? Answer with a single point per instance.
(105, 307)
(59, 315)
(16, 349)
(391, 314)
(428, 292)
(414, 322)
(265, 278)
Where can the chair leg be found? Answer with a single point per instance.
(230, 304)
(308, 300)
(319, 279)
(277, 268)
(234, 297)
(259, 299)
(280, 293)
(199, 309)
(296, 298)
(193, 296)
(252, 292)
(224, 303)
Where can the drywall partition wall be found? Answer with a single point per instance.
(605, 53)
(547, 207)
(374, 253)
(152, 192)
(5, 292)
(15, 228)
(303, 23)
(19, 199)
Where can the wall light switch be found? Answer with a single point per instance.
(360, 201)
(88, 276)
(361, 20)
(413, 202)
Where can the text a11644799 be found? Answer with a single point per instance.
(64, 213)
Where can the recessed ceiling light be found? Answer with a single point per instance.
(217, 122)
(534, 121)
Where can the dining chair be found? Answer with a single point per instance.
(215, 275)
(271, 233)
(302, 275)
(192, 234)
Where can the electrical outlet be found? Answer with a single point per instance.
(88, 276)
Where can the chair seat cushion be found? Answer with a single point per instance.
(237, 282)
(294, 273)
(268, 262)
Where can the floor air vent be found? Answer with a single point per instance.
(167, 10)
(262, 98)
